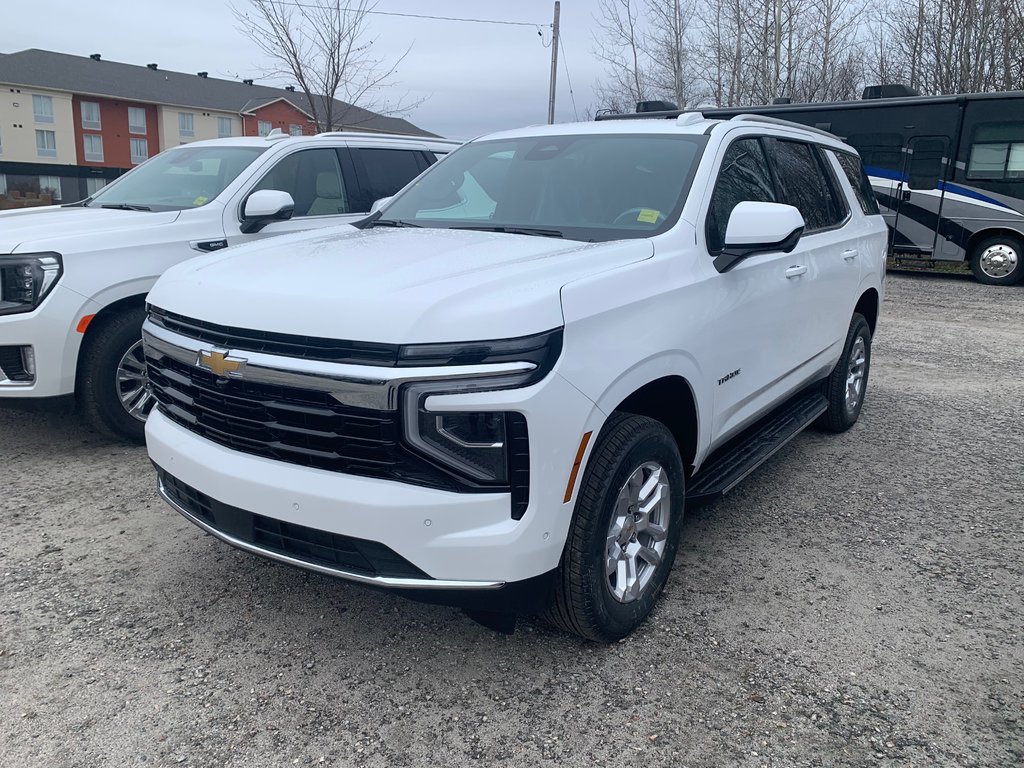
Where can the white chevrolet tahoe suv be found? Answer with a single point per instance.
(73, 279)
(503, 390)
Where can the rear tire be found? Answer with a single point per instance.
(112, 391)
(625, 531)
(847, 385)
(998, 260)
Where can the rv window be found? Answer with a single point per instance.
(926, 163)
(997, 152)
(879, 150)
(859, 181)
(805, 185)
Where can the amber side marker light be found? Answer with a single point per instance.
(84, 323)
(576, 467)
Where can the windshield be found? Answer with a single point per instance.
(590, 187)
(179, 178)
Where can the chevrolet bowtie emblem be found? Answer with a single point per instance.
(220, 364)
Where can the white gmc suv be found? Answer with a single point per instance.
(503, 390)
(73, 278)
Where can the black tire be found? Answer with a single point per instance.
(97, 391)
(840, 416)
(1008, 247)
(583, 603)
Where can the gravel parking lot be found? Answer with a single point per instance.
(857, 601)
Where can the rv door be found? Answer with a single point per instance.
(918, 195)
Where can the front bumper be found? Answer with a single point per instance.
(460, 542)
(50, 331)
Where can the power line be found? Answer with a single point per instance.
(565, 66)
(421, 15)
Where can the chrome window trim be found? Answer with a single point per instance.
(380, 581)
(360, 386)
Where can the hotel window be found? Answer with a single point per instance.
(186, 126)
(51, 183)
(136, 120)
(140, 151)
(3, 184)
(91, 115)
(94, 185)
(264, 127)
(46, 143)
(93, 147)
(42, 108)
(295, 130)
(224, 127)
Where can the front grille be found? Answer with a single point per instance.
(287, 345)
(297, 426)
(12, 364)
(311, 545)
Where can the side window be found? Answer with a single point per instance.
(879, 150)
(387, 171)
(313, 178)
(925, 167)
(997, 151)
(744, 176)
(804, 184)
(859, 181)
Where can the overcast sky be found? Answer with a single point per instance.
(476, 78)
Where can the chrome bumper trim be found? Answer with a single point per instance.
(380, 581)
(362, 386)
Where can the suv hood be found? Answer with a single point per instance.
(390, 285)
(34, 229)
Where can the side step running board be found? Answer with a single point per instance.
(754, 446)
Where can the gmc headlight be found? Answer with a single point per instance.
(26, 279)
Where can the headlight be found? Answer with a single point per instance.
(26, 279)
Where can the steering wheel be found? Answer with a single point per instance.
(630, 216)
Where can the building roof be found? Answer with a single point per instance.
(83, 75)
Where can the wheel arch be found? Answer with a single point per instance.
(134, 301)
(984, 234)
(670, 400)
(868, 306)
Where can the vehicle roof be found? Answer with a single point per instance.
(696, 125)
(336, 137)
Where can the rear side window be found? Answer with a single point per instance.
(859, 181)
(744, 176)
(997, 152)
(805, 184)
(387, 171)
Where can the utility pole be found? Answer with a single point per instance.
(554, 64)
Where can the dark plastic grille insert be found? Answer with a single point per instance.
(311, 545)
(12, 363)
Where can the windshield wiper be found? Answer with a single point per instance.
(516, 230)
(127, 207)
(391, 223)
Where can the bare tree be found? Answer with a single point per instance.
(324, 46)
(620, 47)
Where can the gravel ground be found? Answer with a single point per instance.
(857, 601)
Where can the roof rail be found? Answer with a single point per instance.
(777, 121)
(376, 135)
(665, 114)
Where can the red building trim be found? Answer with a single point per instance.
(280, 114)
(114, 130)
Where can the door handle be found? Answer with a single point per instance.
(850, 255)
(795, 271)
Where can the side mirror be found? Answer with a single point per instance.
(265, 206)
(378, 204)
(759, 228)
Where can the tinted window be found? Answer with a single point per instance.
(805, 185)
(879, 150)
(997, 152)
(585, 187)
(926, 163)
(744, 176)
(859, 181)
(387, 171)
(313, 178)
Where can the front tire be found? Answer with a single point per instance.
(998, 260)
(113, 392)
(847, 384)
(625, 531)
